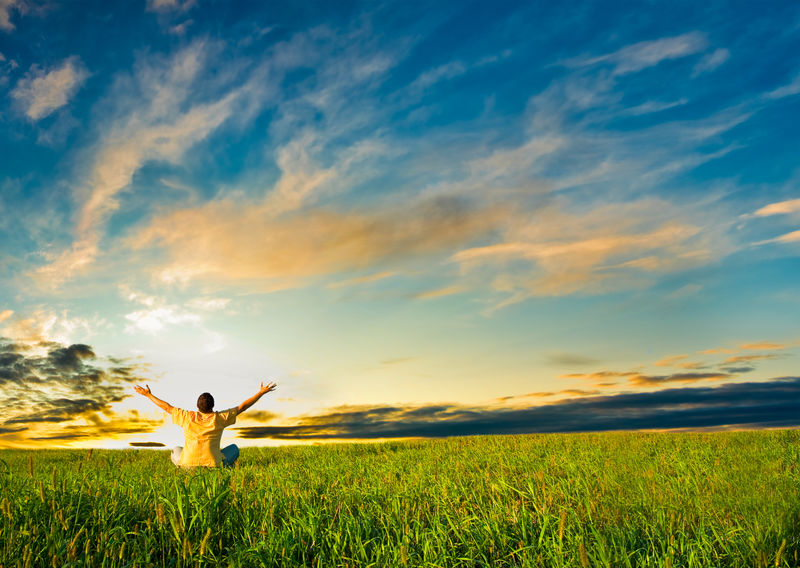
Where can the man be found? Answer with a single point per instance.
(202, 429)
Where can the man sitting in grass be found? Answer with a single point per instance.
(202, 430)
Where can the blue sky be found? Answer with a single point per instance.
(484, 207)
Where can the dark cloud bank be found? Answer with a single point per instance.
(773, 403)
(44, 385)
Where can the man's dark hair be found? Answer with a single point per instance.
(206, 402)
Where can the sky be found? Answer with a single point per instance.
(418, 219)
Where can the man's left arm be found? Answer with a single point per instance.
(165, 406)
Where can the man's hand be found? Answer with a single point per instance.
(264, 389)
(165, 406)
(143, 391)
(267, 388)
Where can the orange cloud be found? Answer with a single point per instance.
(652, 381)
(780, 208)
(679, 362)
(598, 375)
(718, 351)
(230, 241)
(608, 248)
(438, 293)
(362, 279)
(749, 358)
(764, 346)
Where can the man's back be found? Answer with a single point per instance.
(202, 432)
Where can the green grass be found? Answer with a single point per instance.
(617, 499)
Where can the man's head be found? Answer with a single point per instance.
(205, 403)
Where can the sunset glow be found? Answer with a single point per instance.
(418, 220)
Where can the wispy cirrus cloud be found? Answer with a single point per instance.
(679, 361)
(157, 117)
(374, 277)
(788, 90)
(42, 92)
(779, 208)
(711, 61)
(615, 247)
(638, 56)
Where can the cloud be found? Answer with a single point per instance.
(654, 106)
(779, 208)
(750, 358)
(638, 56)
(653, 381)
(764, 346)
(433, 76)
(787, 238)
(158, 315)
(158, 115)
(50, 387)
(260, 416)
(564, 359)
(6, 6)
(738, 370)
(362, 279)
(678, 361)
(167, 6)
(209, 304)
(764, 404)
(233, 241)
(611, 247)
(46, 326)
(152, 321)
(792, 88)
(40, 92)
(711, 61)
(146, 444)
(438, 293)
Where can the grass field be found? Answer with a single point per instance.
(616, 499)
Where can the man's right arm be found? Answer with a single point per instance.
(165, 406)
(253, 399)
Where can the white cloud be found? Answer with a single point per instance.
(40, 92)
(44, 325)
(654, 106)
(638, 56)
(446, 71)
(165, 6)
(209, 304)
(792, 88)
(156, 319)
(711, 61)
(779, 208)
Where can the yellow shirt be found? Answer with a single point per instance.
(202, 433)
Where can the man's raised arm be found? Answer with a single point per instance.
(253, 399)
(165, 406)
